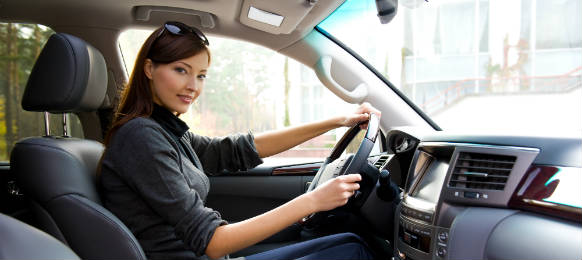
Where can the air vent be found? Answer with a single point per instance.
(380, 162)
(482, 171)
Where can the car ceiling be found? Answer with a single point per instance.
(116, 15)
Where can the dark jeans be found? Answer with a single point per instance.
(338, 246)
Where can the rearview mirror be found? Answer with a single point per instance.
(386, 10)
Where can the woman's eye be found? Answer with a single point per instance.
(180, 70)
(202, 76)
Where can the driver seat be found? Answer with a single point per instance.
(58, 172)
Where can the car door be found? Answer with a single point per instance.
(242, 195)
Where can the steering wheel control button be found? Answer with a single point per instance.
(441, 251)
(443, 236)
(471, 195)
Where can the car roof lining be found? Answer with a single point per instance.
(121, 15)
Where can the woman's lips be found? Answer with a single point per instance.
(186, 99)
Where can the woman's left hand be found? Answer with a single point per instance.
(362, 113)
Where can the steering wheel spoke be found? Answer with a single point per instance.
(356, 163)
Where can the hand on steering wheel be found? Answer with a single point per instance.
(336, 192)
(361, 116)
(353, 164)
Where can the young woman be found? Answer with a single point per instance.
(153, 172)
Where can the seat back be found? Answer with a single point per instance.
(21, 241)
(59, 173)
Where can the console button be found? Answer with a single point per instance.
(441, 251)
(471, 195)
(411, 239)
(427, 217)
(414, 213)
(424, 244)
(443, 236)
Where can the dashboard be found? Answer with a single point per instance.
(483, 196)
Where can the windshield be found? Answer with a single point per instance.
(495, 65)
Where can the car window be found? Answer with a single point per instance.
(485, 65)
(20, 45)
(250, 87)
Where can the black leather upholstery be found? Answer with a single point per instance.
(21, 241)
(65, 63)
(58, 173)
(56, 166)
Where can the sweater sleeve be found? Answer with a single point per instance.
(232, 153)
(150, 166)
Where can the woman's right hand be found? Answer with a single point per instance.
(335, 192)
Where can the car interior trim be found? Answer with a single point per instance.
(542, 191)
(143, 13)
(382, 78)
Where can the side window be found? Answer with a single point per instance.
(20, 45)
(250, 87)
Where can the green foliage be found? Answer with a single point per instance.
(20, 45)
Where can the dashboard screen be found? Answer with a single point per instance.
(430, 185)
(422, 163)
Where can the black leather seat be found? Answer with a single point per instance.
(21, 241)
(58, 173)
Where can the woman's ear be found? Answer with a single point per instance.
(148, 68)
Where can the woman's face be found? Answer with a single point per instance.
(176, 85)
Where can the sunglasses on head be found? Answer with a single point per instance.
(178, 28)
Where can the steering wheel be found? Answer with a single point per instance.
(356, 163)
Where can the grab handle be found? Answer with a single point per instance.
(323, 72)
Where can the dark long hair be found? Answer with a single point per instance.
(137, 97)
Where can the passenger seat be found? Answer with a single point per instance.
(58, 173)
(21, 241)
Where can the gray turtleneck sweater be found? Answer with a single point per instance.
(153, 177)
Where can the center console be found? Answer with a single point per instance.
(444, 178)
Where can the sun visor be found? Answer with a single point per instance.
(276, 17)
(143, 13)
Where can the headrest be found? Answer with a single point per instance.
(69, 76)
